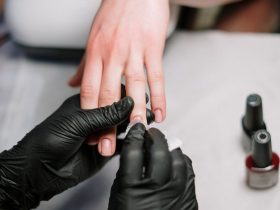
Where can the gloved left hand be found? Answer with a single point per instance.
(53, 156)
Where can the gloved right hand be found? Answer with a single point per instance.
(150, 177)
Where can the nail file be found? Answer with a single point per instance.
(173, 142)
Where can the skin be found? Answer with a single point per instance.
(126, 38)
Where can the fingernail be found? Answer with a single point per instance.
(106, 147)
(137, 119)
(158, 115)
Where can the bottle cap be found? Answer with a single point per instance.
(261, 149)
(253, 119)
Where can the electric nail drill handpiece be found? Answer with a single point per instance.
(263, 164)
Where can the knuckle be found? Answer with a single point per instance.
(135, 77)
(156, 77)
(92, 47)
(159, 99)
(139, 110)
(88, 91)
(107, 96)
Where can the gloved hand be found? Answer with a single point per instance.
(53, 156)
(150, 177)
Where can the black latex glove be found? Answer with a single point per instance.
(150, 177)
(53, 156)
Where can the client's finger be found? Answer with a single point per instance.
(110, 91)
(156, 86)
(91, 83)
(136, 87)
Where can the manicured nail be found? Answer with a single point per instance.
(106, 147)
(158, 115)
(137, 119)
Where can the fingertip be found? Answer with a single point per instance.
(159, 114)
(105, 147)
(72, 82)
(158, 103)
(107, 142)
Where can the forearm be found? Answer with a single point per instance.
(202, 3)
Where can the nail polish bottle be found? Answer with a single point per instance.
(253, 119)
(263, 164)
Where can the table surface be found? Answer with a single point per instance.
(208, 76)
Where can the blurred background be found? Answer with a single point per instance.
(44, 35)
(259, 16)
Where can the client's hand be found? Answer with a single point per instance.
(151, 177)
(127, 37)
(53, 156)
